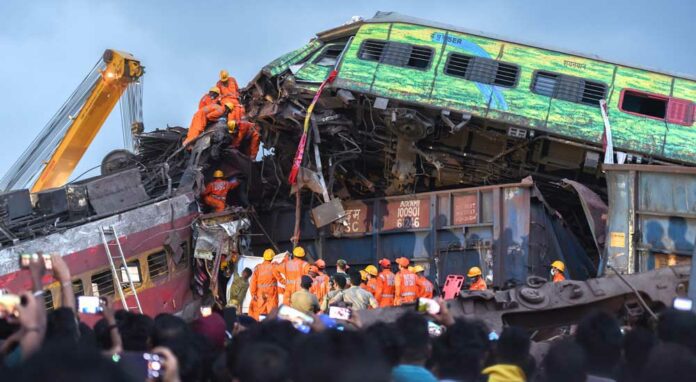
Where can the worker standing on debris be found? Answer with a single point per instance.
(204, 115)
(385, 285)
(264, 287)
(211, 97)
(293, 269)
(320, 281)
(425, 287)
(404, 283)
(215, 193)
(245, 137)
(238, 290)
(371, 285)
(557, 271)
(227, 85)
(477, 281)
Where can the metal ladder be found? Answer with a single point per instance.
(110, 230)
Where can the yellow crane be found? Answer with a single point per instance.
(53, 155)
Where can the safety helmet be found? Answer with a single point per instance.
(385, 263)
(363, 275)
(313, 268)
(298, 252)
(268, 254)
(473, 272)
(224, 75)
(231, 125)
(229, 104)
(411, 269)
(218, 174)
(214, 89)
(558, 264)
(371, 270)
(320, 264)
(418, 269)
(404, 262)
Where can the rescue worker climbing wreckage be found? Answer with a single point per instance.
(477, 281)
(264, 287)
(557, 271)
(405, 287)
(385, 285)
(215, 193)
(210, 97)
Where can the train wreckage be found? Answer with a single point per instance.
(416, 139)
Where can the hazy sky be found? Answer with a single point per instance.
(48, 46)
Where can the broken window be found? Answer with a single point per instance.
(157, 264)
(396, 53)
(568, 88)
(132, 270)
(673, 110)
(102, 283)
(481, 69)
(329, 55)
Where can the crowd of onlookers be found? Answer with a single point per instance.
(218, 346)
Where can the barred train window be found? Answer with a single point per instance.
(396, 53)
(481, 69)
(157, 264)
(568, 88)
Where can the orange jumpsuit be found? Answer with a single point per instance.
(264, 290)
(246, 139)
(558, 276)
(405, 287)
(216, 191)
(479, 284)
(228, 88)
(385, 288)
(425, 287)
(371, 285)
(206, 100)
(201, 118)
(293, 270)
(320, 286)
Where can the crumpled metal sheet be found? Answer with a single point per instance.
(219, 237)
(595, 210)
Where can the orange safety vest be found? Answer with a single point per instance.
(201, 118)
(558, 276)
(246, 139)
(385, 288)
(406, 287)
(215, 193)
(320, 286)
(371, 286)
(264, 290)
(293, 270)
(425, 287)
(479, 284)
(229, 88)
(207, 100)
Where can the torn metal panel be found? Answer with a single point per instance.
(116, 192)
(595, 211)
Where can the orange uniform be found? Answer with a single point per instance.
(215, 193)
(264, 290)
(425, 287)
(479, 284)
(246, 139)
(385, 288)
(293, 270)
(558, 276)
(371, 285)
(320, 286)
(405, 287)
(200, 120)
(207, 100)
(228, 88)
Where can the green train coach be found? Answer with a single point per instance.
(460, 107)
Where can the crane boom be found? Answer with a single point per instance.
(65, 139)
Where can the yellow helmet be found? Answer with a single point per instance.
(473, 272)
(214, 89)
(298, 252)
(268, 254)
(218, 174)
(224, 75)
(229, 105)
(371, 270)
(558, 264)
(418, 269)
(363, 275)
(231, 125)
(410, 269)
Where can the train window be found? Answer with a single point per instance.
(329, 55)
(78, 288)
(133, 270)
(102, 283)
(396, 53)
(157, 264)
(568, 88)
(48, 300)
(481, 69)
(673, 110)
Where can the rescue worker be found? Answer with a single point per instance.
(405, 287)
(558, 271)
(363, 279)
(293, 270)
(264, 287)
(371, 285)
(212, 96)
(477, 281)
(204, 115)
(425, 287)
(245, 137)
(227, 85)
(320, 282)
(385, 285)
(215, 193)
(238, 290)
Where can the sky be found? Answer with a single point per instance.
(48, 46)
